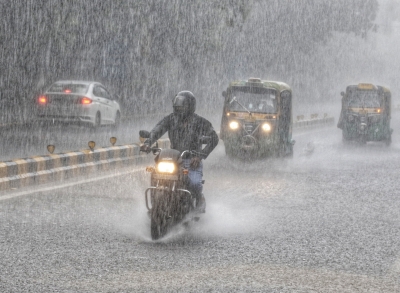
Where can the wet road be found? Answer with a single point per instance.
(326, 221)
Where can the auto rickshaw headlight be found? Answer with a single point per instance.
(166, 167)
(234, 125)
(266, 127)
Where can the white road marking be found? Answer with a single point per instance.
(63, 185)
(396, 266)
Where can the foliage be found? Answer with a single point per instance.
(147, 49)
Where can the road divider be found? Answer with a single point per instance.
(313, 121)
(57, 167)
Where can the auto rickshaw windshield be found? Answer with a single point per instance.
(259, 100)
(366, 99)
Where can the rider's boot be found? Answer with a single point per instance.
(201, 204)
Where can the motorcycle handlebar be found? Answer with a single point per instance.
(193, 153)
(151, 149)
(155, 150)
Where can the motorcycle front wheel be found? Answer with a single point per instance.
(159, 215)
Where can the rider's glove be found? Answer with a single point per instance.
(145, 148)
(195, 162)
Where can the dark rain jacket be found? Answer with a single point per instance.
(186, 134)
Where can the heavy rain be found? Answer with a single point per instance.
(322, 218)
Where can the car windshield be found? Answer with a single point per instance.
(367, 99)
(258, 100)
(69, 88)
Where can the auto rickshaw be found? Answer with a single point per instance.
(365, 114)
(257, 119)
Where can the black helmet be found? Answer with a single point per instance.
(184, 104)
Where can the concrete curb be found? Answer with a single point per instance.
(57, 167)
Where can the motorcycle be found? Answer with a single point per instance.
(168, 199)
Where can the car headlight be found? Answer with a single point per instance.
(266, 127)
(234, 125)
(166, 167)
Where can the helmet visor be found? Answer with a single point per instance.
(179, 109)
(180, 105)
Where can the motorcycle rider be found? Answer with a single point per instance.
(185, 128)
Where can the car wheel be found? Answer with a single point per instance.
(97, 120)
(117, 121)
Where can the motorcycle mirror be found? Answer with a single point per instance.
(143, 135)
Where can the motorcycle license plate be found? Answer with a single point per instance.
(165, 177)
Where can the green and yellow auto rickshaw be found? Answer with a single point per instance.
(257, 119)
(365, 114)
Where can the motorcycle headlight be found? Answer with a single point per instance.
(266, 127)
(166, 167)
(234, 125)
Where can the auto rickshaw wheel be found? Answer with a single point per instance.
(362, 140)
(345, 136)
(388, 141)
(345, 140)
(229, 150)
(290, 154)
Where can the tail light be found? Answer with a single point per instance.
(85, 101)
(42, 100)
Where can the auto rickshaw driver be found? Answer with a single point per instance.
(257, 119)
(366, 113)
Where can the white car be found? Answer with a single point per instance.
(82, 102)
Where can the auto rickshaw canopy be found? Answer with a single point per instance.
(256, 82)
